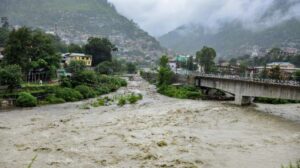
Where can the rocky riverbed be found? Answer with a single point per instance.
(156, 132)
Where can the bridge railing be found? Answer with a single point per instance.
(254, 79)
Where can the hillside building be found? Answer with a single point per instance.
(68, 57)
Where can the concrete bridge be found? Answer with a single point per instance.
(245, 89)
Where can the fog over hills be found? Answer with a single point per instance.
(276, 25)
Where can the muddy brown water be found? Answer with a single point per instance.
(156, 132)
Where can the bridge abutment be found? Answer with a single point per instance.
(242, 100)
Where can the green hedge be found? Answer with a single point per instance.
(68, 94)
(182, 92)
(52, 99)
(26, 100)
(86, 91)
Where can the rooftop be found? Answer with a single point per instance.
(280, 63)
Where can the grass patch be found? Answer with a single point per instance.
(181, 92)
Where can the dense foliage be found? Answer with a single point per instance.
(206, 58)
(131, 68)
(26, 100)
(76, 66)
(75, 48)
(68, 94)
(31, 49)
(11, 76)
(165, 74)
(3, 36)
(182, 92)
(105, 67)
(87, 92)
(86, 77)
(297, 75)
(52, 99)
(100, 49)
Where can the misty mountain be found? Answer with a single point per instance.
(76, 20)
(234, 38)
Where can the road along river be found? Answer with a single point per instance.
(156, 132)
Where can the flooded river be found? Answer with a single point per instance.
(156, 132)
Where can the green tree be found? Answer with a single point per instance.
(131, 68)
(275, 73)
(264, 73)
(86, 77)
(100, 49)
(105, 67)
(233, 62)
(3, 36)
(30, 50)
(165, 73)
(163, 62)
(76, 66)
(11, 76)
(297, 75)
(190, 64)
(119, 66)
(243, 68)
(75, 48)
(206, 58)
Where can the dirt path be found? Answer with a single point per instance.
(156, 132)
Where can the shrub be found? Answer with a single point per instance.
(69, 95)
(102, 90)
(86, 91)
(184, 92)
(105, 67)
(65, 82)
(134, 98)
(11, 76)
(122, 101)
(52, 99)
(26, 100)
(85, 77)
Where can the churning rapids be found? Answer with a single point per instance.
(156, 132)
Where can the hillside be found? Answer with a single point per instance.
(76, 20)
(233, 38)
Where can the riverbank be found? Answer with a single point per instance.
(158, 131)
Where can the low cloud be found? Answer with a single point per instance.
(161, 16)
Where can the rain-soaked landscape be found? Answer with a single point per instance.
(156, 132)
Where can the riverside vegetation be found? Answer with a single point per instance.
(44, 55)
(164, 82)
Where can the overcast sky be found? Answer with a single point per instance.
(161, 16)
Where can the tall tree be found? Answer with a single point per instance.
(31, 50)
(75, 48)
(165, 73)
(206, 58)
(131, 68)
(3, 36)
(100, 49)
(297, 75)
(275, 73)
(11, 76)
(76, 67)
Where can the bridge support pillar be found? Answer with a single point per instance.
(243, 100)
